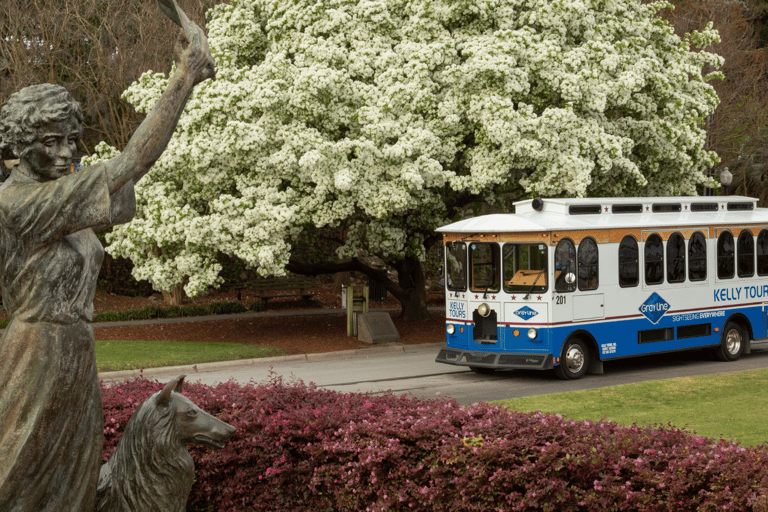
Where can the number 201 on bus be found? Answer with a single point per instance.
(566, 284)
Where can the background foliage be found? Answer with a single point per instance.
(375, 122)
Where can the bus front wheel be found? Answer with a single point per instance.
(731, 343)
(574, 360)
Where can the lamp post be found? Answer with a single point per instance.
(726, 178)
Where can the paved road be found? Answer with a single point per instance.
(411, 369)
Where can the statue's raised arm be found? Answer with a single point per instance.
(151, 138)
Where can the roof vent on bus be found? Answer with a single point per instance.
(585, 209)
(537, 204)
(627, 208)
(704, 207)
(742, 206)
(666, 207)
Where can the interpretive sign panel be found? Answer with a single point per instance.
(376, 328)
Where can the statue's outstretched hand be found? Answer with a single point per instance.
(194, 53)
(192, 46)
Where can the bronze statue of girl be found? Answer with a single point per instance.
(51, 417)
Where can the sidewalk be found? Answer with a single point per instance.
(225, 368)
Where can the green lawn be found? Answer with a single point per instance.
(131, 355)
(733, 406)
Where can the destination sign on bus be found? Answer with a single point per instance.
(457, 309)
(744, 292)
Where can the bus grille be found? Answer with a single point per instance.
(656, 335)
(694, 331)
(480, 358)
(534, 361)
(485, 327)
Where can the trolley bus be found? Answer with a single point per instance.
(566, 284)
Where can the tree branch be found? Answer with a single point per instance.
(353, 265)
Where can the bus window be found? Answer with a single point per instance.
(697, 257)
(676, 258)
(456, 266)
(654, 260)
(525, 268)
(725, 255)
(762, 253)
(745, 251)
(588, 264)
(484, 264)
(629, 266)
(565, 266)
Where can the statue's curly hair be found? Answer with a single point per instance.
(29, 109)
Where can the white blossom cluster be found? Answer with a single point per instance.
(370, 111)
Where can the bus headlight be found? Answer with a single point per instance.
(450, 328)
(532, 333)
(483, 310)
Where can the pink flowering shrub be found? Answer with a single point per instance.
(300, 448)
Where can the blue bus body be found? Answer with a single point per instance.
(578, 282)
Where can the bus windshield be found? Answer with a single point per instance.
(484, 261)
(525, 268)
(456, 266)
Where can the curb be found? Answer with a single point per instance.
(191, 370)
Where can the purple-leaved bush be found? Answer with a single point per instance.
(301, 448)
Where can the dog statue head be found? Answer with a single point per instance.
(192, 424)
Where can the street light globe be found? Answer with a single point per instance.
(726, 178)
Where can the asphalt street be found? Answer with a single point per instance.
(412, 369)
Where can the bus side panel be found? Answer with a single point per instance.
(638, 336)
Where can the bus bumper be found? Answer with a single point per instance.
(496, 361)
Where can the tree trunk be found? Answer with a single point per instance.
(411, 280)
(175, 296)
(340, 280)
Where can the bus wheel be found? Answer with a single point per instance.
(574, 361)
(731, 343)
(482, 371)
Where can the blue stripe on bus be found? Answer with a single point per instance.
(615, 337)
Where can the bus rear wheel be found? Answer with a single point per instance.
(731, 343)
(574, 360)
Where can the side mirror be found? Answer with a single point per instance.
(570, 278)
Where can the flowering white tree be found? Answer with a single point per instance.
(379, 120)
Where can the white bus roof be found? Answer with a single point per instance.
(616, 212)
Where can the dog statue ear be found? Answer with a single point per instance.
(180, 380)
(165, 395)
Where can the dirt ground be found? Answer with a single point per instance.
(295, 334)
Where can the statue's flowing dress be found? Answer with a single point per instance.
(51, 417)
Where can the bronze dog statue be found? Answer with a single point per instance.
(151, 468)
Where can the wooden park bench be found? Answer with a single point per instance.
(300, 283)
